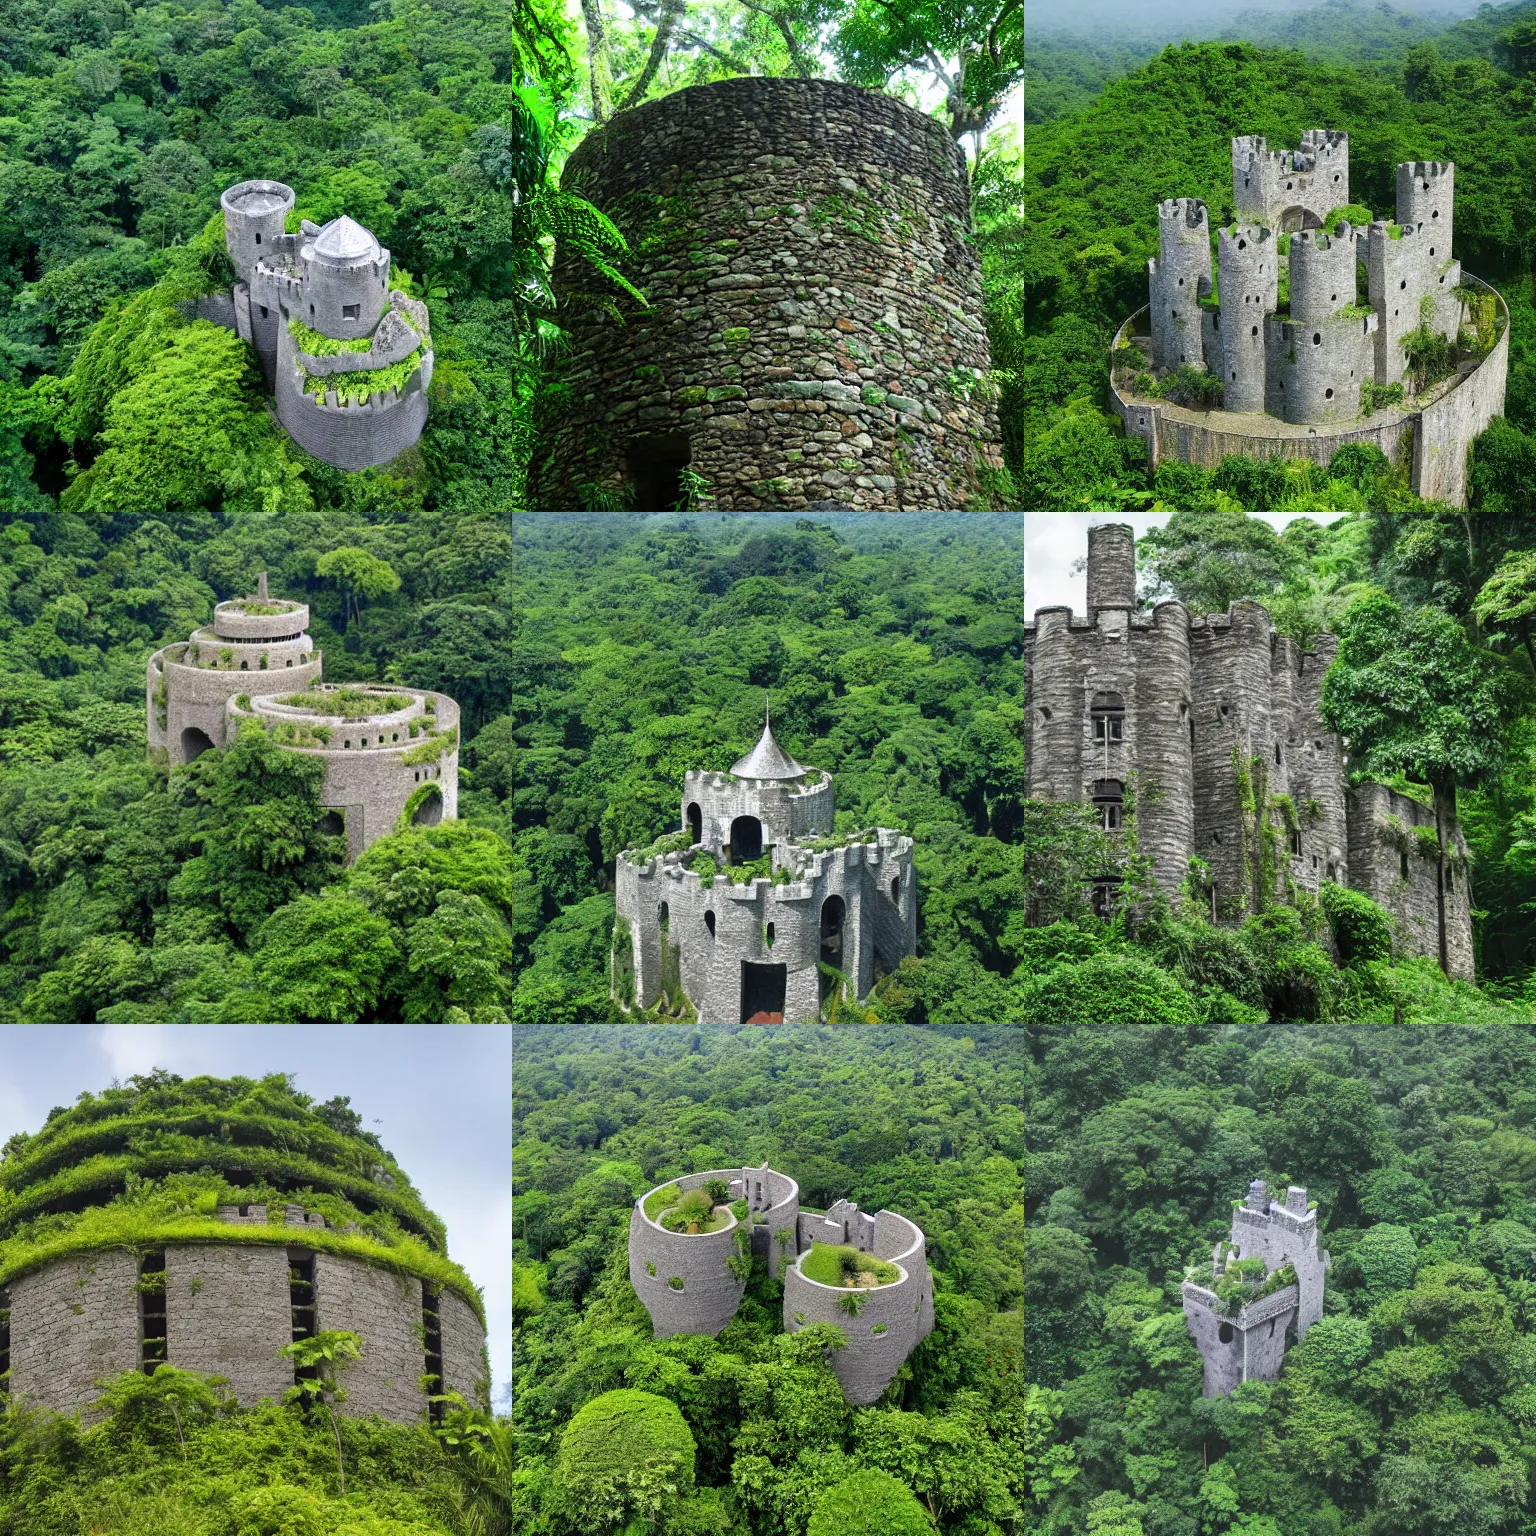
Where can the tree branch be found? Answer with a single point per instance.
(598, 71)
(671, 12)
(797, 54)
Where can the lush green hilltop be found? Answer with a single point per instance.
(1093, 180)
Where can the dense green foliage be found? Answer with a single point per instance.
(1433, 686)
(153, 1160)
(1407, 1409)
(922, 1122)
(174, 1454)
(1097, 168)
(892, 652)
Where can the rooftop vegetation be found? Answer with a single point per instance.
(843, 1265)
(348, 703)
(151, 1162)
(694, 1213)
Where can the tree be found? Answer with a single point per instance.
(319, 1361)
(624, 1453)
(325, 959)
(973, 48)
(1411, 694)
(869, 1503)
(357, 575)
(1508, 599)
(1209, 560)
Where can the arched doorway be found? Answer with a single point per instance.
(695, 818)
(833, 914)
(430, 812)
(1295, 218)
(746, 839)
(194, 743)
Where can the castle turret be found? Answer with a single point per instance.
(1180, 276)
(1328, 151)
(1290, 189)
(1426, 199)
(1413, 281)
(1111, 566)
(1321, 355)
(255, 214)
(346, 282)
(1248, 265)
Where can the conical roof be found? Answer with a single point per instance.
(345, 240)
(767, 760)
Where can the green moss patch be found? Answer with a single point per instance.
(836, 1263)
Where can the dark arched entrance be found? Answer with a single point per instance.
(833, 912)
(695, 819)
(746, 839)
(194, 743)
(430, 812)
(1298, 218)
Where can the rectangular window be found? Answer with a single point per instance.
(152, 1312)
(432, 1348)
(351, 311)
(301, 1303)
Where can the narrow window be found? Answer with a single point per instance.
(769, 936)
(432, 1345)
(896, 889)
(351, 311)
(709, 922)
(1109, 802)
(152, 1312)
(263, 311)
(1277, 744)
(301, 1306)
(663, 916)
(1402, 865)
(1295, 845)
(258, 237)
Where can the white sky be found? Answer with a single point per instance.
(439, 1097)
(1055, 541)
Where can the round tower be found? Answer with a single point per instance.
(1111, 566)
(1248, 264)
(346, 281)
(1322, 273)
(1179, 277)
(224, 1260)
(1328, 149)
(1426, 197)
(254, 215)
(813, 327)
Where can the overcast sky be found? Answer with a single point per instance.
(438, 1096)
(1055, 541)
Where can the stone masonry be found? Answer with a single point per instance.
(76, 1321)
(399, 764)
(1249, 1343)
(753, 952)
(1154, 715)
(814, 329)
(892, 1322)
(1306, 362)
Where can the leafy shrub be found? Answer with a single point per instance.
(1361, 929)
(624, 1453)
(1119, 988)
(869, 1503)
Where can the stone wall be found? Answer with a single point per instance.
(789, 812)
(385, 1308)
(1252, 1346)
(350, 435)
(465, 1369)
(73, 1323)
(814, 330)
(710, 1293)
(227, 1313)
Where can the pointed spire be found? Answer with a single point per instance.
(767, 760)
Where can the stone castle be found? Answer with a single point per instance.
(391, 754)
(765, 951)
(1305, 364)
(687, 1285)
(347, 358)
(813, 333)
(1192, 722)
(1245, 1337)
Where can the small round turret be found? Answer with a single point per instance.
(346, 280)
(1249, 266)
(254, 215)
(1180, 276)
(1426, 196)
(1322, 273)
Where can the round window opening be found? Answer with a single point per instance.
(1225, 1334)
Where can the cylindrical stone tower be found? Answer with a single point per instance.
(259, 1223)
(347, 287)
(813, 331)
(1248, 265)
(1329, 151)
(1179, 277)
(254, 215)
(1111, 566)
(1322, 273)
(1426, 197)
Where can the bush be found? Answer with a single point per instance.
(1361, 929)
(870, 1503)
(1107, 990)
(624, 1453)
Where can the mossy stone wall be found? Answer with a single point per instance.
(815, 324)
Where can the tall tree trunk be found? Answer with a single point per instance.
(599, 73)
(1445, 815)
(666, 24)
